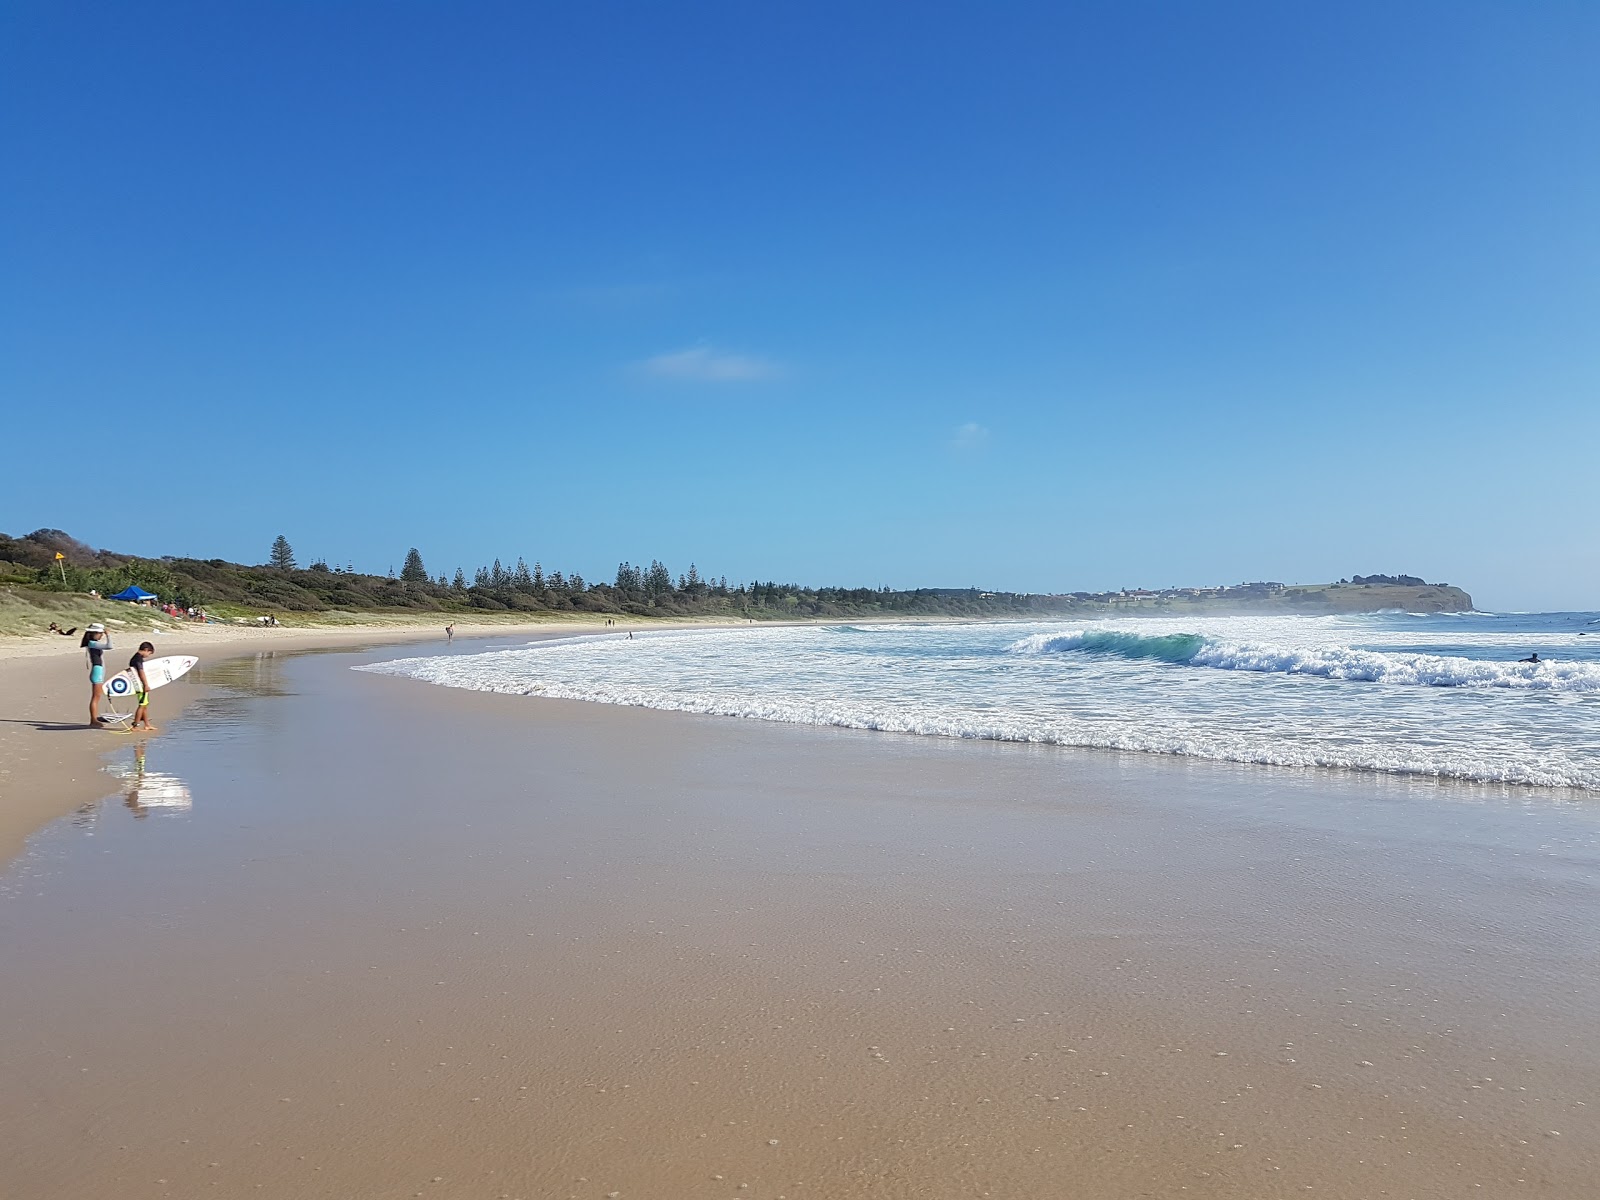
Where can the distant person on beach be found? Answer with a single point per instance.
(54, 628)
(1532, 658)
(96, 641)
(449, 634)
(142, 697)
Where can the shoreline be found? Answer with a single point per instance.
(46, 773)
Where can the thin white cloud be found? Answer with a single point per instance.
(702, 364)
(969, 436)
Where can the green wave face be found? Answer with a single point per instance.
(1171, 647)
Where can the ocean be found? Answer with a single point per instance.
(1436, 695)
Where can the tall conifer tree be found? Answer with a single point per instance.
(282, 554)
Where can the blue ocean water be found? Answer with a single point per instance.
(1441, 695)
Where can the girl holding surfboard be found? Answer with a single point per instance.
(96, 641)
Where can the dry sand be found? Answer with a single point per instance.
(407, 941)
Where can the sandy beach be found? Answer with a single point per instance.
(371, 937)
(50, 762)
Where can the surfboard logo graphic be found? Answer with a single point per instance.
(119, 686)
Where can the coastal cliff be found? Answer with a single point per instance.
(1357, 598)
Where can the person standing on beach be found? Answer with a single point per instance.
(95, 643)
(449, 633)
(142, 698)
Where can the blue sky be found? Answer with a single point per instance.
(1040, 297)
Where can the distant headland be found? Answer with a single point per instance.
(1358, 594)
(40, 570)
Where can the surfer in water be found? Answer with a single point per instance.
(1532, 658)
(449, 634)
(95, 643)
(136, 665)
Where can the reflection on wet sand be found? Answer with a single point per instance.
(142, 791)
(251, 674)
(147, 790)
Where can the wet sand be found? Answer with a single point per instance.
(50, 761)
(407, 941)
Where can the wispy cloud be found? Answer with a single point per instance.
(704, 365)
(969, 436)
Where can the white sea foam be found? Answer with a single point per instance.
(1330, 662)
(1281, 691)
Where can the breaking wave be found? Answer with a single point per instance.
(1328, 662)
(1164, 738)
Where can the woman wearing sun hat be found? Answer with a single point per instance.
(96, 641)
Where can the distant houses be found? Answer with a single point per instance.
(1133, 597)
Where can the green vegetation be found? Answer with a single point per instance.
(282, 555)
(282, 588)
(25, 612)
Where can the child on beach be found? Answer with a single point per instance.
(142, 697)
(95, 644)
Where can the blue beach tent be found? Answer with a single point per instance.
(134, 593)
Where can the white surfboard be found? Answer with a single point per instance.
(158, 672)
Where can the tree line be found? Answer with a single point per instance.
(654, 591)
(282, 584)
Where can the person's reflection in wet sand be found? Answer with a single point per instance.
(131, 800)
(151, 790)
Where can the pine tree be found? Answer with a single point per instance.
(497, 575)
(481, 578)
(523, 580)
(659, 581)
(460, 583)
(630, 581)
(538, 578)
(414, 571)
(282, 554)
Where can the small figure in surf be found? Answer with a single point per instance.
(95, 643)
(1532, 658)
(449, 634)
(141, 715)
